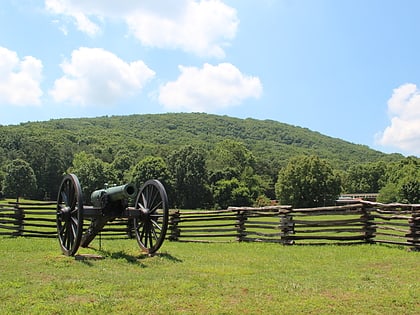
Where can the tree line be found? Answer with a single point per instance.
(227, 174)
(204, 160)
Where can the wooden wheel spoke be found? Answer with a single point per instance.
(74, 229)
(155, 224)
(143, 204)
(66, 236)
(60, 216)
(62, 229)
(156, 197)
(74, 220)
(140, 226)
(156, 207)
(71, 237)
(152, 194)
(156, 235)
(143, 231)
(150, 236)
(64, 198)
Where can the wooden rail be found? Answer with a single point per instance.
(351, 223)
(38, 219)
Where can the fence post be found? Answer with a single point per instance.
(287, 227)
(369, 224)
(241, 217)
(414, 235)
(19, 216)
(174, 219)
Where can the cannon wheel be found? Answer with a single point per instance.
(70, 215)
(150, 228)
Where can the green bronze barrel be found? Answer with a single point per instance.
(100, 197)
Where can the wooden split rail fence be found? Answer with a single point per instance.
(352, 223)
(38, 219)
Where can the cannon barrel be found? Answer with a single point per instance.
(101, 197)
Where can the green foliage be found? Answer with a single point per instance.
(230, 154)
(254, 182)
(121, 165)
(20, 180)
(403, 182)
(189, 176)
(48, 160)
(410, 191)
(150, 167)
(364, 178)
(234, 181)
(388, 193)
(2, 175)
(262, 201)
(231, 192)
(307, 181)
(92, 173)
(252, 151)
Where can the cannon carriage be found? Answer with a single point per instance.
(149, 215)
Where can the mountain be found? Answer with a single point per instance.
(271, 142)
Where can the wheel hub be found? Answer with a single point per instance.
(65, 213)
(145, 213)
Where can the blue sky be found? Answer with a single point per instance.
(348, 69)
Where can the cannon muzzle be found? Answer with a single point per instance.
(101, 197)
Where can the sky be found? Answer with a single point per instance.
(348, 69)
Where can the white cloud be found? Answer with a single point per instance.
(19, 79)
(70, 8)
(95, 76)
(404, 110)
(209, 88)
(201, 27)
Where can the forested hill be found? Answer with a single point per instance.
(270, 141)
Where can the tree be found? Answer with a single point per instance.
(388, 193)
(92, 173)
(365, 178)
(150, 168)
(307, 181)
(403, 182)
(189, 176)
(49, 163)
(231, 192)
(233, 164)
(2, 176)
(20, 180)
(410, 191)
(122, 164)
(230, 154)
(253, 182)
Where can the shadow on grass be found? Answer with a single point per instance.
(131, 259)
(169, 257)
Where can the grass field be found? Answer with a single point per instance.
(185, 278)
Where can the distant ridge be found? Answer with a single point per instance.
(271, 142)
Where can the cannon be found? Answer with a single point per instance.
(106, 198)
(149, 215)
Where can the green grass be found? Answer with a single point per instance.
(185, 278)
